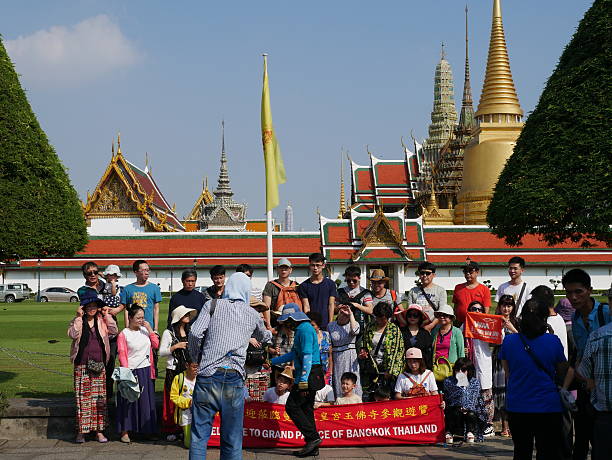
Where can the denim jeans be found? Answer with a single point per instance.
(222, 392)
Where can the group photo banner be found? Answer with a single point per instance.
(483, 326)
(404, 421)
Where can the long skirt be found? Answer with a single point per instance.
(168, 426)
(138, 416)
(499, 387)
(90, 394)
(345, 361)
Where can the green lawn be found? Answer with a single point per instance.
(28, 327)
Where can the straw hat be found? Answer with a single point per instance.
(181, 311)
(287, 372)
(378, 275)
(258, 304)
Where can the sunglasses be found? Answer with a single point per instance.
(91, 273)
(413, 315)
(425, 273)
(468, 270)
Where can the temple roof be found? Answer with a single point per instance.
(205, 198)
(125, 190)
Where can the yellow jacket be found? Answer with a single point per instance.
(176, 396)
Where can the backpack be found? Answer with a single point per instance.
(417, 388)
(287, 294)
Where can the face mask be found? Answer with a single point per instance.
(462, 379)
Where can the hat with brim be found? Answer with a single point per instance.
(181, 311)
(445, 309)
(92, 299)
(112, 269)
(293, 311)
(414, 353)
(287, 372)
(414, 307)
(378, 275)
(258, 304)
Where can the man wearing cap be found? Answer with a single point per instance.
(187, 296)
(309, 378)
(273, 289)
(470, 291)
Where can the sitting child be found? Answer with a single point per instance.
(382, 394)
(181, 395)
(416, 380)
(279, 393)
(324, 397)
(465, 413)
(348, 381)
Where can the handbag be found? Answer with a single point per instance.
(442, 367)
(256, 356)
(567, 399)
(95, 367)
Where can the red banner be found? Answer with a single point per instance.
(404, 421)
(487, 328)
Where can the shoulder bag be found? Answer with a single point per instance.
(567, 399)
(442, 367)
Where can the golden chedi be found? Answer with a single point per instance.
(499, 125)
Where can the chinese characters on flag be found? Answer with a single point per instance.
(487, 328)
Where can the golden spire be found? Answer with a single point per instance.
(113, 149)
(342, 208)
(432, 203)
(498, 92)
(118, 143)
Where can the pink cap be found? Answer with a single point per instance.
(414, 353)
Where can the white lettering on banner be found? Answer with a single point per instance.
(282, 434)
(368, 432)
(414, 429)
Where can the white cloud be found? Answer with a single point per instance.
(72, 55)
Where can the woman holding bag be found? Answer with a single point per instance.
(447, 342)
(90, 332)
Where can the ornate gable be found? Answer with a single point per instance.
(380, 233)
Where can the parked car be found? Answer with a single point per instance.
(15, 292)
(58, 294)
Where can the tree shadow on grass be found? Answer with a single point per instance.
(6, 376)
(45, 395)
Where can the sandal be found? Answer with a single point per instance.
(125, 438)
(469, 437)
(505, 434)
(101, 438)
(80, 438)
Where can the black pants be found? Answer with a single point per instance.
(602, 430)
(458, 422)
(545, 428)
(110, 367)
(300, 405)
(583, 425)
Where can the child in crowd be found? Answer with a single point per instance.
(465, 413)
(324, 397)
(349, 381)
(111, 290)
(382, 394)
(481, 354)
(279, 393)
(416, 380)
(181, 395)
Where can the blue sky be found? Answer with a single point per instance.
(342, 74)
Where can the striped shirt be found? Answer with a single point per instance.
(226, 335)
(596, 364)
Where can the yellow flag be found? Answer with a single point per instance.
(275, 169)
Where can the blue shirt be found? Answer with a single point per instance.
(318, 295)
(145, 296)
(304, 353)
(580, 331)
(596, 364)
(529, 388)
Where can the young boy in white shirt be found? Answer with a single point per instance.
(348, 383)
(279, 393)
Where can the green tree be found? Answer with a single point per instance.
(558, 182)
(40, 212)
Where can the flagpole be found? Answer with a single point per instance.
(270, 248)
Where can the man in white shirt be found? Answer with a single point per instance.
(516, 287)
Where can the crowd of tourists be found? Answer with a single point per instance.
(317, 343)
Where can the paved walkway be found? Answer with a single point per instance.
(62, 450)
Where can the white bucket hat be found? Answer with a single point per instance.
(112, 270)
(446, 309)
(179, 312)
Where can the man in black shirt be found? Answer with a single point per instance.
(187, 296)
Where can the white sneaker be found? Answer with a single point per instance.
(449, 439)
(469, 437)
(171, 438)
(490, 431)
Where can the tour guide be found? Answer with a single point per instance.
(221, 336)
(308, 374)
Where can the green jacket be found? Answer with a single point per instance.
(393, 350)
(457, 346)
